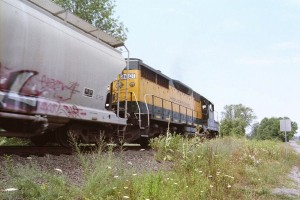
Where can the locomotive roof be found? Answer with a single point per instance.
(77, 22)
(135, 63)
(140, 62)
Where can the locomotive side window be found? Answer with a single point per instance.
(162, 81)
(148, 74)
(204, 108)
(211, 107)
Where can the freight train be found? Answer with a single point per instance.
(61, 76)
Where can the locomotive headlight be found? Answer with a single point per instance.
(132, 84)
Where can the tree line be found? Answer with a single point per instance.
(237, 118)
(100, 13)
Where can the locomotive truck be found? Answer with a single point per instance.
(55, 71)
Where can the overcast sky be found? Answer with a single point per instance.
(230, 51)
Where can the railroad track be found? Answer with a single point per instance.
(55, 150)
(34, 150)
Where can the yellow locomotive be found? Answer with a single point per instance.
(156, 102)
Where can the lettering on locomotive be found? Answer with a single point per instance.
(128, 76)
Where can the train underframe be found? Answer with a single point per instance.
(140, 128)
(42, 130)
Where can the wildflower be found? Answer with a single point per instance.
(129, 163)
(211, 186)
(116, 176)
(175, 183)
(201, 191)
(210, 176)
(134, 174)
(108, 167)
(200, 171)
(59, 170)
(29, 158)
(126, 197)
(229, 186)
(114, 188)
(125, 188)
(10, 189)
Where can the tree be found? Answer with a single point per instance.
(235, 119)
(269, 129)
(97, 12)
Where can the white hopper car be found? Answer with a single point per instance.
(54, 74)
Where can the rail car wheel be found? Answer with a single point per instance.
(39, 140)
(63, 137)
(68, 136)
(144, 142)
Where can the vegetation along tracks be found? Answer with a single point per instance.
(54, 150)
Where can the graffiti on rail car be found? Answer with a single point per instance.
(21, 89)
(61, 91)
(57, 108)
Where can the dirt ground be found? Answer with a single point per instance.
(294, 175)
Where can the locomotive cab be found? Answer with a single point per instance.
(210, 124)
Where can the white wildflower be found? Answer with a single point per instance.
(59, 170)
(10, 189)
(116, 176)
(125, 188)
(29, 158)
(229, 186)
(129, 163)
(126, 197)
(134, 174)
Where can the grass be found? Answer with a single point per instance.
(223, 168)
(5, 141)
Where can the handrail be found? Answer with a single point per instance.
(126, 93)
(147, 107)
(118, 100)
(172, 103)
(140, 121)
